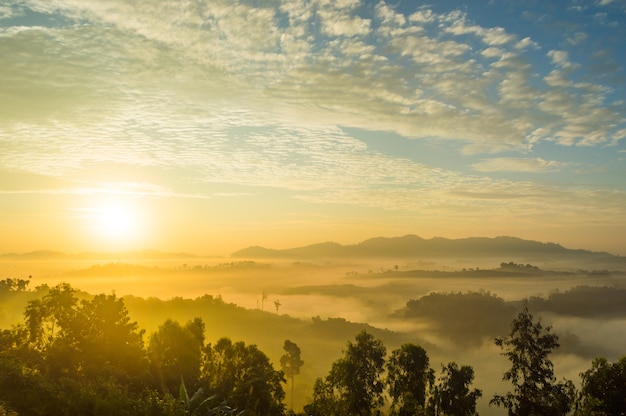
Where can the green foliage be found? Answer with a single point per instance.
(243, 376)
(326, 401)
(86, 357)
(354, 385)
(46, 318)
(198, 405)
(87, 339)
(175, 351)
(603, 390)
(408, 377)
(451, 396)
(535, 390)
(78, 355)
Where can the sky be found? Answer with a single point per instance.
(208, 126)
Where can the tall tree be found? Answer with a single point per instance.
(358, 375)
(535, 389)
(603, 390)
(451, 395)
(291, 363)
(408, 376)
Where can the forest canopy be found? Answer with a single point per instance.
(75, 353)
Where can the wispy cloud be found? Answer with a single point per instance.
(435, 88)
(507, 164)
(133, 190)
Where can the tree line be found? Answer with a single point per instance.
(74, 356)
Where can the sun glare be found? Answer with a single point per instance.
(117, 222)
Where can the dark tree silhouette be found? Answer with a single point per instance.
(451, 396)
(535, 390)
(291, 362)
(175, 352)
(408, 377)
(603, 390)
(354, 385)
(243, 376)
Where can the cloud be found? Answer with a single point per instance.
(377, 71)
(491, 36)
(576, 38)
(505, 164)
(561, 59)
(527, 43)
(258, 97)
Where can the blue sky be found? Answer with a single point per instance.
(222, 124)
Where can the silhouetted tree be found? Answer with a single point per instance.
(535, 390)
(451, 396)
(91, 338)
(603, 390)
(243, 376)
(175, 352)
(354, 385)
(291, 362)
(13, 285)
(326, 400)
(46, 318)
(408, 376)
(73, 357)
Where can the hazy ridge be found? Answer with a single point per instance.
(413, 246)
(407, 246)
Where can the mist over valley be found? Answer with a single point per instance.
(453, 304)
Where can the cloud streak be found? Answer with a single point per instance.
(506, 164)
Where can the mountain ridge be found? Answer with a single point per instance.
(413, 246)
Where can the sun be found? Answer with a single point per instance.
(117, 222)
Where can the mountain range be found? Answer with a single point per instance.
(405, 247)
(413, 246)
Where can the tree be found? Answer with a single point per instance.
(354, 385)
(13, 285)
(603, 390)
(291, 363)
(176, 352)
(535, 390)
(107, 341)
(408, 377)
(451, 395)
(73, 357)
(88, 339)
(326, 401)
(243, 376)
(47, 317)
